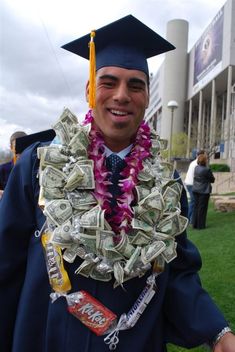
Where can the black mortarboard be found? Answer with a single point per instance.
(126, 43)
(24, 142)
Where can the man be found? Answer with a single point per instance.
(104, 234)
(6, 168)
(19, 141)
(189, 185)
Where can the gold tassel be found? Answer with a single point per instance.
(14, 158)
(92, 83)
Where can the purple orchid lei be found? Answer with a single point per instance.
(121, 221)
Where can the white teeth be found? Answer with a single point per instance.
(116, 112)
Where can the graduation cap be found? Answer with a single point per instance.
(125, 43)
(24, 142)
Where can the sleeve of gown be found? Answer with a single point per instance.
(211, 176)
(192, 318)
(17, 224)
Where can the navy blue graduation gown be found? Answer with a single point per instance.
(181, 312)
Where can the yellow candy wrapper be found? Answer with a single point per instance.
(58, 276)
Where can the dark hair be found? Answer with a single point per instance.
(201, 151)
(16, 135)
(202, 159)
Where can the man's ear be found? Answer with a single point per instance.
(87, 91)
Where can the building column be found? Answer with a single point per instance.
(203, 136)
(228, 114)
(207, 144)
(175, 76)
(222, 118)
(199, 125)
(212, 117)
(189, 127)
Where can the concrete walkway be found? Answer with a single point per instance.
(224, 203)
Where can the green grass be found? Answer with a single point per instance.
(216, 244)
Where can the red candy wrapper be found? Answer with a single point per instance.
(91, 312)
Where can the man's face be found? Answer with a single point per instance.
(121, 99)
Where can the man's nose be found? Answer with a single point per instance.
(122, 94)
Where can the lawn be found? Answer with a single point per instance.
(216, 244)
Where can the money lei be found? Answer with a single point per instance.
(74, 197)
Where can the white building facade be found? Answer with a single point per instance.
(202, 82)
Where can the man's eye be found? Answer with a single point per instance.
(136, 87)
(108, 84)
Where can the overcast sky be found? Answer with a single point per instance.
(38, 78)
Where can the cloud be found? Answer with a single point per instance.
(6, 130)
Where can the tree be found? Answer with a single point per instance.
(179, 146)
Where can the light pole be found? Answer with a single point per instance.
(172, 105)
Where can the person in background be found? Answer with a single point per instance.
(189, 185)
(100, 250)
(5, 169)
(21, 141)
(13, 139)
(203, 177)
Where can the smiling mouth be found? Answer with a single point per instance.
(119, 113)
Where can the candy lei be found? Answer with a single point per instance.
(140, 151)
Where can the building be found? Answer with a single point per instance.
(202, 82)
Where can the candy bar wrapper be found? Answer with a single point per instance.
(58, 276)
(91, 312)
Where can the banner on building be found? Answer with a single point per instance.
(208, 52)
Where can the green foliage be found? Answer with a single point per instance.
(219, 168)
(179, 145)
(216, 246)
(164, 154)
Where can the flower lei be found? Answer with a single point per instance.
(120, 222)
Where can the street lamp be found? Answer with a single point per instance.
(172, 105)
